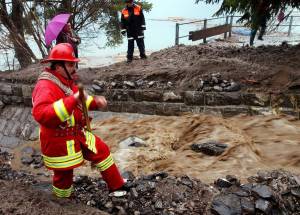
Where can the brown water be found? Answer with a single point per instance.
(255, 142)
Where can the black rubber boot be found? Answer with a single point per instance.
(143, 56)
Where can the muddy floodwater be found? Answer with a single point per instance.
(255, 143)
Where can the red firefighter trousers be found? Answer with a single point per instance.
(63, 179)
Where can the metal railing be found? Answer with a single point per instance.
(229, 20)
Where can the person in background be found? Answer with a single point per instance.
(259, 19)
(133, 23)
(65, 140)
(67, 35)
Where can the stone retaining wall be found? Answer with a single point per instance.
(172, 102)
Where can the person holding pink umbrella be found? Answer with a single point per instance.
(59, 29)
(67, 35)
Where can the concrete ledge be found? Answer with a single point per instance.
(170, 102)
(173, 109)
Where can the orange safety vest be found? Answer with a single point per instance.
(136, 11)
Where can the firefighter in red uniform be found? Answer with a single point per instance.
(133, 22)
(64, 141)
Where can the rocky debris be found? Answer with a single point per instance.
(171, 97)
(99, 86)
(132, 141)
(31, 157)
(270, 194)
(97, 89)
(129, 84)
(210, 83)
(227, 182)
(212, 148)
(5, 156)
(152, 194)
(223, 183)
(214, 82)
(185, 65)
(277, 192)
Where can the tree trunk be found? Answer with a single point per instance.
(15, 27)
(67, 5)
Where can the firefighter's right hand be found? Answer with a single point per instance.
(77, 97)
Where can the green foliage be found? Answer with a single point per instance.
(252, 10)
(101, 16)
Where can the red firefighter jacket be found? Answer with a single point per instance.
(61, 121)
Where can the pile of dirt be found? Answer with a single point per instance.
(265, 68)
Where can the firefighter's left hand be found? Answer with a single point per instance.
(100, 101)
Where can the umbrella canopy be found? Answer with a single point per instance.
(55, 26)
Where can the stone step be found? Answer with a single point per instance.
(18, 112)
(8, 128)
(16, 126)
(173, 109)
(25, 114)
(3, 123)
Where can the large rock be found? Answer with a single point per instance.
(228, 204)
(210, 148)
(132, 141)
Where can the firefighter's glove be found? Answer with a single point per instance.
(123, 32)
(90, 141)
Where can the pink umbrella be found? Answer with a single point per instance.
(55, 26)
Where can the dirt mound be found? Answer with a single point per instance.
(22, 193)
(19, 198)
(263, 68)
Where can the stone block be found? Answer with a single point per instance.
(16, 100)
(27, 101)
(193, 98)
(115, 106)
(140, 107)
(171, 109)
(229, 111)
(147, 95)
(172, 97)
(17, 90)
(285, 100)
(119, 95)
(256, 99)
(26, 91)
(6, 89)
(220, 99)
(7, 99)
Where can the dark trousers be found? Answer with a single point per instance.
(262, 31)
(141, 45)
